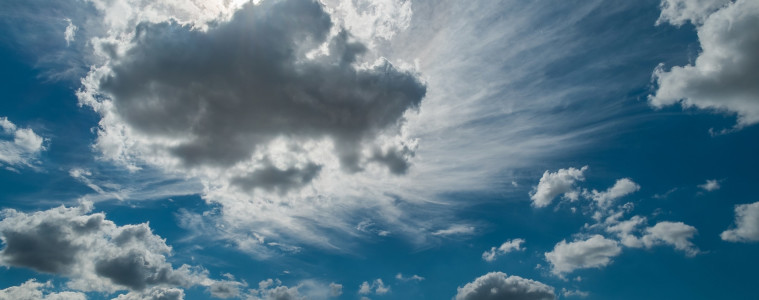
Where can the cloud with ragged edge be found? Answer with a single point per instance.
(498, 285)
(97, 255)
(723, 77)
(19, 147)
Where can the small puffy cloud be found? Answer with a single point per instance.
(377, 286)
(746, 228)
(621, 188)
(677, 234)
(554, 184)
(335, 289)
(506, 247)
(94, 253)
(33, 290)
(273, 289)
(19, 146)
(498, 285)
(594, 252)
(710, 185)
(723, 76)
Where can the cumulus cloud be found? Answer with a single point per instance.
(722, 77)
(19, 146)
(506, 247)
(498, 285)
(574, 293)
(710, 185)
(154, 293)
(621, 188)
(677, 234)
(594, 252)
(94, 253)
(746, 228)
(33, 290)
(273, 289)
(378, 286)
(554, 184)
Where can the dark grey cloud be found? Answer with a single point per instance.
(93, 252)
(271, 178)
(230, 90)
(395, 159)
(499, 286)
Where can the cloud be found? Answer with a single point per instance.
(94, 253)
(506, 247)
(746, 227)
(70, 32)
(377, 285)
(555, 184)
(414, 277)
(497, 285)
(19, 146)
(273, 289)
(621, 188)
(722, 77)
(594, 252)
(710, 185)
(574, 293)
(456, 229)
(154, 293)
(677, 234)
(335, 289)
(33, 290)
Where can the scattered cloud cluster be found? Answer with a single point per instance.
(595, 250)
(506, 247)
(19, 146)
(723, 76)
(746, 227)
(33, 290)
(498, 285)
(94, 253)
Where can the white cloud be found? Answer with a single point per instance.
(33, 290)
(677, 234)
(154, 293)
(506, 247)
(377, 285)
(722, 77)
(621, 188)
(594, 252)
(679, 12)
(554, 184)
(746, 227)
(19, 146)
(70, 32)
(710, 185)
(414, 277)
(574, 293)
(456, 229)
(498, 285)
(94, 253)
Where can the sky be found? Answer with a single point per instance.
(379, 149)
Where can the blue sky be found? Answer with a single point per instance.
(379, 149)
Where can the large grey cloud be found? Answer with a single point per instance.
(94, 253)
(724, 76)
(498, 286)
(228, 91)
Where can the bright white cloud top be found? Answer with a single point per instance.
(19, 146)
(746, 224)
